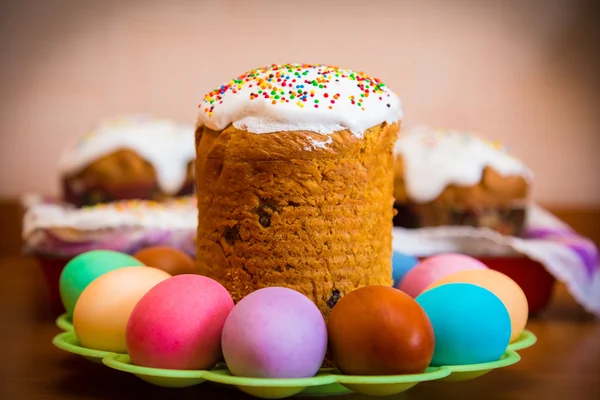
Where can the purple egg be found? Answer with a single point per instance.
(274, 332)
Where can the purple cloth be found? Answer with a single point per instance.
(585, 249)
(123, 241)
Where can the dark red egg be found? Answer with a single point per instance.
(169, 259)
(380, 330)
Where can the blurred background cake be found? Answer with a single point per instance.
(446, 177)
(55, 232)
(295, 181)
(61, 231)
(129, 157)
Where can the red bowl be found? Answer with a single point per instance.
(51, 269)
(533, 278)
(537, 283)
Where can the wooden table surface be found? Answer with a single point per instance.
(564, 364)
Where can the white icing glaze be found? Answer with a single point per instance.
(168, 146)
(177, 214)
(316, 98)
(435, 158)
(316, 144)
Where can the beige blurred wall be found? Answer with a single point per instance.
(522, 72)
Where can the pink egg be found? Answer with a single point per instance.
(434, 268)
(178, 324)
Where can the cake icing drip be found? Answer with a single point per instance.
(316, 98)
(168, 146)
(435, 158)
(316, 144)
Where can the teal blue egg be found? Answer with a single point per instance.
(470, 323)
(401, 264)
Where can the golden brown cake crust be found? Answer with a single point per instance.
(274, 211)
(121, 175)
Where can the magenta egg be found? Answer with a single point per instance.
(275, 332)
(434, 268)
(178, 324)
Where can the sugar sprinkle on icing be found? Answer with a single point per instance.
(314, 97)
(178, 213)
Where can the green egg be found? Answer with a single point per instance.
(84, 268)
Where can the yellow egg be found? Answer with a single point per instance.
(102, 311)
(507, 290)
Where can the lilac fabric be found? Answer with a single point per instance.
(123, 241)
(585, 249)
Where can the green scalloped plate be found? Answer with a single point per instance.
(278, 388)
(327, 382)
(68, 342)
(64, 322)
(467, 372)
(526, 339)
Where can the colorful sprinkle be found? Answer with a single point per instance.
(276, 81)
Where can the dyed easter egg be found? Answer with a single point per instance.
(275, 332)
(169, 259)
(401, 264)
(84, 268)
(502, 286)
(178, 324)
(379, 330)
(435, 268)
(471, 324)
(102, 311)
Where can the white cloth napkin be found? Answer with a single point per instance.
(570, 257)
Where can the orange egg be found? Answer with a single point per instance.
(169, 259)
(103, 309)
(507, 290)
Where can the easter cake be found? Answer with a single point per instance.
(130, 157)
(54, 233)
(452, 178)
(63, 231)
(294, 178)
